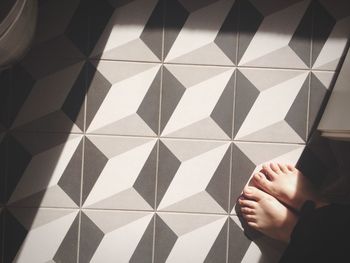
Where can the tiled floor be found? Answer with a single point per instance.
(130, 128)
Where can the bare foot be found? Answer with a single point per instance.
(266, 214)
(287, 184)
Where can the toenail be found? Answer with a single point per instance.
(258, 176)
(248, 190)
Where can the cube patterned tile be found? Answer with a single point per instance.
(331, 33)
(186, 42)
(41, 235)
(242, 249)
(271, 105)
(193, 176)
(44, 170)
(123, 98)
(112, 236)
(133, 31)
(48, 95)
(320, 85)
(275, 33)
(119, 173)
(62, 29)
(197, 102)
(248, 157)
(179, 238)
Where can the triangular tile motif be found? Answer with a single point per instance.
(331, 33)
(180, 235)
(196, 102)
(28, 230)
(46, 173)
(184, 44)
(62, 29)
(104, 234)
(117, 98)
(61, 82)
(320, 84)
(268, 118)
(124, 162)
(142, 41)
(193, 180)
(291, 44)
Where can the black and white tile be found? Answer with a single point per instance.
(44, 170)
(131, 127)
(41, 235)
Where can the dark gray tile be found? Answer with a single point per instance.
(288, 44)
(48, 95)
(44, 170)
(320, 89)
(27, 228)
(201, 238)
(62, 29)
(103, 235)
(181, 17)
(142, 42)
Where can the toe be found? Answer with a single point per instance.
(291, 167)
(271, 174)
(249, 218)
(247, 203)
(283, 168)
(262, 182)
(247, 210)
(254, 193)
(275, 168)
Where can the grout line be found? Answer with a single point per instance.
(154, 237)
(168, 138)
(81, 194)
(308, 109)
(78, 238)
(310, 75)
(229, 202)
(228, 238)
(210, 65)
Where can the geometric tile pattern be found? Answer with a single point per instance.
(131, 127)
(184, 43)
(320, 83)
(62, 29)
(132, 31)
(48, 95)
(119, 173)
(40, 235)
(44, 170)
(181, 235)
(268, 42)
(103, 236)
(331, 33)
(193, 180)
(123, 98)
(259, 116)
(197, 102)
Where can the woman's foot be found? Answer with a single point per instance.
(266, 214)
(287, 184)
